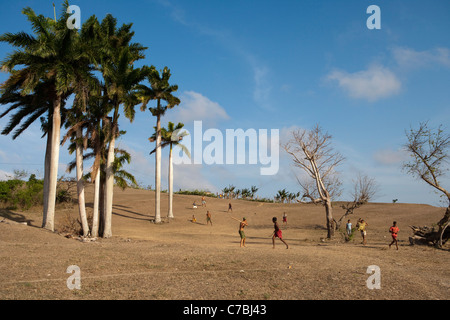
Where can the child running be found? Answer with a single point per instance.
(394, 231)
(203, 201)
(277, 233)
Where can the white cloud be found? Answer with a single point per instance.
(389, 156)
(410, 58)
(195, 106)
(4, 175)
(375, 83)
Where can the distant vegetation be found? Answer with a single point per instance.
(196, 192)
(20, 194)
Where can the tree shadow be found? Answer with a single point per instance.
(14, 216)
(147, 218)
(316, 227)
(122, 208)
(140, 216)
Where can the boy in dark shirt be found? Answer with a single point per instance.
(277, 233)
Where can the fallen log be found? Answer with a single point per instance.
(429, 236)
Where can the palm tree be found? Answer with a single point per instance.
(254, 189)
(116, 61)
(231, 190)
(281, 195)
(171, 137)
(122, 178)
(159, 89)
(225, 192)
(75, 132)
(52, 55)
(245, 192)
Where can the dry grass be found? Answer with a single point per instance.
(184, 260)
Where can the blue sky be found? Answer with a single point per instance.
(278, 65)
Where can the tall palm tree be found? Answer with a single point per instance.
(122, 178)
(52, 55)
(171, 137)
(75, 132)
(159, 89)
(120, 77)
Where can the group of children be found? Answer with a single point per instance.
(361, 226)
(275, 234)
(243, 223)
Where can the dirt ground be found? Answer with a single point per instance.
(182, 260)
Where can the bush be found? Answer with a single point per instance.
(16, 193)
(197, 193)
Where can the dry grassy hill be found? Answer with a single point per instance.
(184, 260)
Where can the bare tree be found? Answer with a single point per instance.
(311, 151)
(364, 190)
(429, 150)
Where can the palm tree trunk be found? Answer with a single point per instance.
(170, 214)
(80, 184)
(101, 205)
(95, 217)
(47, 169)
(49, 216)
(107, 233)
(158, 171)
(109, 185)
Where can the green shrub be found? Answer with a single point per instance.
(197, 193)
(16, 193)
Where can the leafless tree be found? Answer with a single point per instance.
(429, 151)
(364, 190)
(311, 150)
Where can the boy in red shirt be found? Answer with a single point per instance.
(394, 231)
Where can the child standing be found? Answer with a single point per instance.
(362, 228)
(284, 218)
(242, 225)
(203, 201)
(208, 218)
(349, 228)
